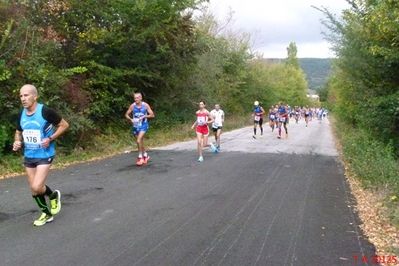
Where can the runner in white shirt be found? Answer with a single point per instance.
(217, 125)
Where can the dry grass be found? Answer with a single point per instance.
(373, 212)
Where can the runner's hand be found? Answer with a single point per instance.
(46, 142)
(17, 145)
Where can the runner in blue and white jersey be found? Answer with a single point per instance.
(138, 114)
(38, 126)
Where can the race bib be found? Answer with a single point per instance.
(137, 122)
(272, 117)
(201, 120)
(257, 118)
(282, 119)
(32, 138)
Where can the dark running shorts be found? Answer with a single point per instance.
(215, 129)
(260, 122)
(34, 162)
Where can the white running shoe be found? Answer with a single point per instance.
(214, 149)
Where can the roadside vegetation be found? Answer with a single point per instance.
(363, 92)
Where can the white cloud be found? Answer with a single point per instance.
(273, 24)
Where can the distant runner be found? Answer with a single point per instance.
(307, 115)
(202, 130)
(272, 118)
(138, 114)
(257, 114)
(38, 127)
(217, 125)
(282, 119)
(297, 114)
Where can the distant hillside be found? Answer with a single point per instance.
(317, 71)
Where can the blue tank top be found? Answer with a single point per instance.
(139, 112)
(34, 129)
(257, 110)
(281, 110)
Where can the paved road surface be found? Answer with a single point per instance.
(258, 202)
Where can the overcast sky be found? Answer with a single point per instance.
(273, 24)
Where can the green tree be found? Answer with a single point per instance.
(367, 85)
(292, 58)
(295, 91)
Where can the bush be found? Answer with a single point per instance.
(371, 160)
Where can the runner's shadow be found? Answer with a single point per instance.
(150, 168)
(161, 161)
(130, 167)
(79, 195)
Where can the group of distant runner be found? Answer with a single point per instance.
(38, 126)
(308, 113)
(280, 114)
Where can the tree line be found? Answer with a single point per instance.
(87, 58)
(364, 86)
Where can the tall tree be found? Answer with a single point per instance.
(292, 58)
(295, 92)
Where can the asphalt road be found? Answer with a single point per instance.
(260, 201)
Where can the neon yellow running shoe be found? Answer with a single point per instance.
(55, 204)
(43, 219)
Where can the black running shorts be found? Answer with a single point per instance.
(34, 162)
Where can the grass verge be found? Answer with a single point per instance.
(114, 142)
(373, 174)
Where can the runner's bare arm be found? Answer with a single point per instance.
(17, 141)
(61, 128)
(150, 112)
(211, 119)
(195, 123)
(128, 112)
